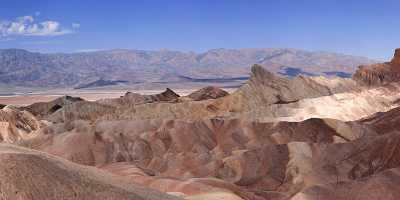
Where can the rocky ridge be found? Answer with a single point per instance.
(47, 108)
(381, 73)
(209, 92)
(263, 89)
(305, 138)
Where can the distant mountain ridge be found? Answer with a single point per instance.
(29, 69)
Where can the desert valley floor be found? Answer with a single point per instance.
(273, 138)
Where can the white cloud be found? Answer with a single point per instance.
(37, 13)
(27, 26)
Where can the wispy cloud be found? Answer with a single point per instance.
(27, 26)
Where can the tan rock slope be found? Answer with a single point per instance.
(31, 175)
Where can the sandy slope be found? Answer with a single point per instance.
(27, 174)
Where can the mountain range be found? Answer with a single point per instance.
(112, 67)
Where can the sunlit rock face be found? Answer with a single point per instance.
(381, 73)
(16, 125)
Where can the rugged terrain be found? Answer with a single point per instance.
(135, 67)
(381, 73)
(28, 174)
(274, 138)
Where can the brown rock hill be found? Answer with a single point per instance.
(135, 99)
(381, 73)
(379, 186)
(195, 188)
(42, 109)
(27, 174)
(264, 88)
(384, 122)
(109, 108)
(209, 92)
(246, 158)
(365, 169)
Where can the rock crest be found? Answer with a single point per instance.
(379, 74)
(209, 92)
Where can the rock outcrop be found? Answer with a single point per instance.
(16, 125)
(276, 90)
(381, 73)
(209, 92)
(167, 96)
(43, 109)
(135, 99)
(111, 108)
(265, 88)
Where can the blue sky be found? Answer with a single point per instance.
(363, 27)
